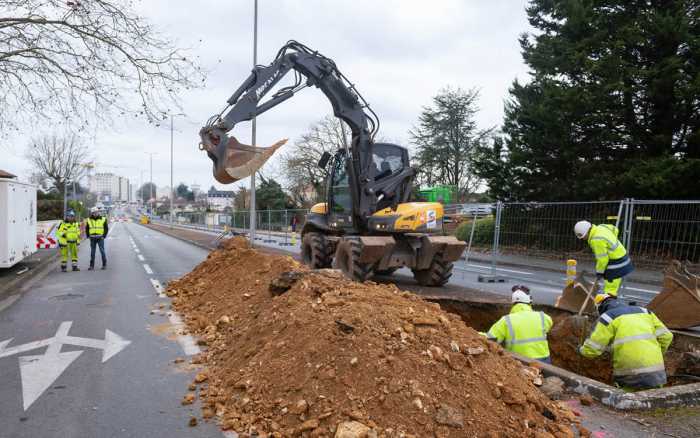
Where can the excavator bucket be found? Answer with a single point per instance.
(574, 295)
(232, 159)
(678, 304)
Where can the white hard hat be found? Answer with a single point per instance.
(520, 296)
(581, 229)
(94, 210)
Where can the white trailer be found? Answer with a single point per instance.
(17, 221)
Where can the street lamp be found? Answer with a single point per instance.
(172, 184)
(151, 154)
(252, 176)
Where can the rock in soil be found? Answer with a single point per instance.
(553, 387)
(328, 350)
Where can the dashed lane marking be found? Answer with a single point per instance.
(148, 269)
(141, 257)
(187, 342)
(158, 287)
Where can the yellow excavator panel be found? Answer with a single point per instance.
(412, 216)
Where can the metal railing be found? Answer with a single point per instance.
(537, 235)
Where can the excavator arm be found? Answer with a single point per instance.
(347, 103)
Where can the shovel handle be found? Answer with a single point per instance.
(588, 297)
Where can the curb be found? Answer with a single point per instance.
(674, 396)
(19, 285)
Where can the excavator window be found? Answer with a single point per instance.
(341, 202)
(388, 159)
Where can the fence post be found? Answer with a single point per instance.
(471, 239)
(269, 228)
(492, 277)
(285, 226)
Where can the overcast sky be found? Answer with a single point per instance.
(398, 53)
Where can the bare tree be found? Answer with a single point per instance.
(59, 160)
(447, 138)
(72, 61)
(305, 180)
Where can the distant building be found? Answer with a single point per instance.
(163, 192)
(109, 187)
(219, 199)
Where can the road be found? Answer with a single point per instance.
(546, 285)
(101, 365)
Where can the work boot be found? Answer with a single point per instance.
(63, 269)
(75, 268)
(91, 268)
(104, 267)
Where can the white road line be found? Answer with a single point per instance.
(642, 290)
(148, 269)
(501, 269)
(189, 346)
(158, 287)
(141, 257)
(136, 250)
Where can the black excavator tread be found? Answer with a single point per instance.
(320, 255)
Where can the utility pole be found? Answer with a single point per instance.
(252, 177)
(151, 154)
(172, 187)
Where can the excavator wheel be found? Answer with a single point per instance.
(438, 274)
(316, 251)
(347, 259)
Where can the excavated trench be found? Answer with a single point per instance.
(564, 339)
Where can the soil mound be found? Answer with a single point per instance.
(294, 352)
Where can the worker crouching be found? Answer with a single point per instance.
(639, 340)
(523, 331)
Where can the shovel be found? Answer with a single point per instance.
(579, 322)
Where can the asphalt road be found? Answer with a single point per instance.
(62, 387)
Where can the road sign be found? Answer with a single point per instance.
(38, 372)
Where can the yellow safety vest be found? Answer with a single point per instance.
(68, 232)
(523, 331)
(97, 226)
(639, 340)
(607, 249)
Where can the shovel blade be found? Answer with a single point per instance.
(574, 295)
(678, 304)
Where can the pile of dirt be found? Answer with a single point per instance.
(322, 356)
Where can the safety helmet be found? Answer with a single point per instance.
(521, 287)
(94, 210)
(581, 229)
(70, 213)
(598, 300)
(520, 296)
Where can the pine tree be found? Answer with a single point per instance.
(613, 108)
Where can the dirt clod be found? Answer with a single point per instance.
(331, 357)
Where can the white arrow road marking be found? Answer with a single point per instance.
(38, 372)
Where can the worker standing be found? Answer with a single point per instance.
(68, 234)
(639, 340)
(523, 331)
(611, 260)
(96, 229)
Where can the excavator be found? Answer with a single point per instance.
(366, 225)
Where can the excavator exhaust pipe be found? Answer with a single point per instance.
(233, 160)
